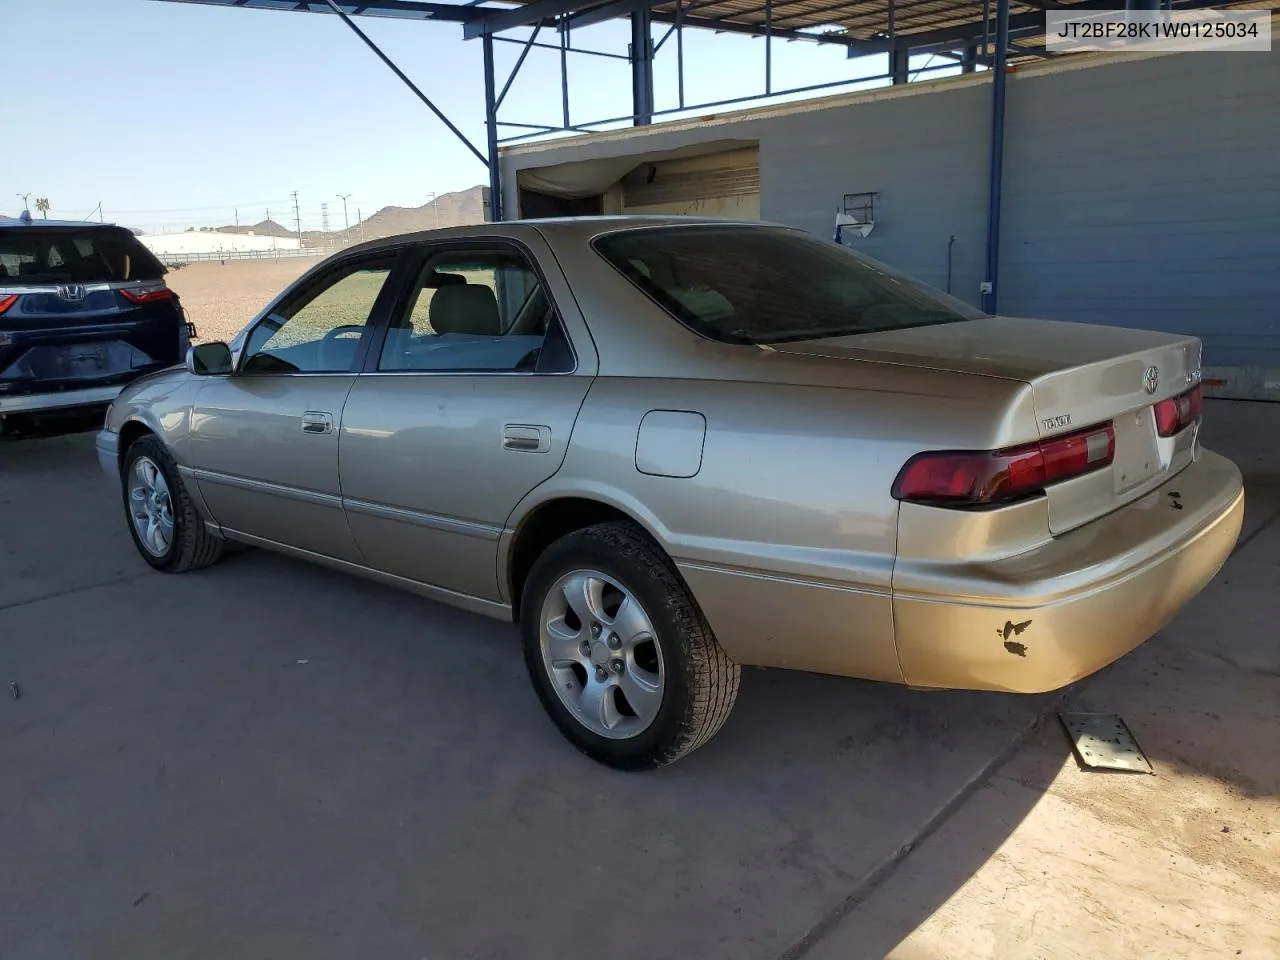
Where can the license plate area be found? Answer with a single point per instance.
(1137, 457)
(86, 359)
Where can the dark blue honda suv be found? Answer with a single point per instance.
(84, 309)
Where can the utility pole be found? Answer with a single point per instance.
(435, 206)
(25, 197)
(324, 218)
(237, 218)
(297, 218)
(270, 227)
(360, 224)
(101, 215)
(346, 224)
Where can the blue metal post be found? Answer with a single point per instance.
(899, 57)
(680, 49)
(642, 66)
(564, 74)
(969, 58)
(768, 47)
(998, 82)
(491, 131)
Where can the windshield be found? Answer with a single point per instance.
(746, 284)
(34, 255)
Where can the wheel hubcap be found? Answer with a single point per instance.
(150, 507)
(600, 650)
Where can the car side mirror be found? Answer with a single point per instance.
(209, 359)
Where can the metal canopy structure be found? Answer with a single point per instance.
(963, 34)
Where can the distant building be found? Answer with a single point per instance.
(209, 244)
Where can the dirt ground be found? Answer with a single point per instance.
(220, 299)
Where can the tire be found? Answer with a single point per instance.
(696, 683)
(190, 546)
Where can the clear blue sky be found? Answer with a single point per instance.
(176, 114)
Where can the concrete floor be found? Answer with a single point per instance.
(270, 760)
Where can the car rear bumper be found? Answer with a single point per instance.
(58, 400)
(1063, 610)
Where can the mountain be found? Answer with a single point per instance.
(263, 228)
(455, 209)
(448, 210)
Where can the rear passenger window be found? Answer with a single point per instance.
(483, 310)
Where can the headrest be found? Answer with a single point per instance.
(468, 308)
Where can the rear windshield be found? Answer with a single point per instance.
(744, 284)
(35, 254)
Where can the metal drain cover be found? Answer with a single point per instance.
(1102, 741)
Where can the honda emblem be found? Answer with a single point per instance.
(71, 292)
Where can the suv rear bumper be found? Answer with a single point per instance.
(1064, 610)
(58, 400)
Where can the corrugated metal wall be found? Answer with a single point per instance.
(1147, 194)
(1143, 192)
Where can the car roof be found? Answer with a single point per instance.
(564, 227)
(17, 224)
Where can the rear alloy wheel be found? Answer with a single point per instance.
(621, 657)
(166, 527)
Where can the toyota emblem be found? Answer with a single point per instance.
(1151, 379)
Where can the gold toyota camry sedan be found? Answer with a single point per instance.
(671, 447)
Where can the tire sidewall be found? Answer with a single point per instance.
(582, 550)
(150, 448)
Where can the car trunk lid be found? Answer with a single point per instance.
(1080, 375)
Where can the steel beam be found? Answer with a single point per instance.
(524, 16)
(528, 45)
(641, 66)
(406, 81)
(996, 170)
(754, 30)
(491, 132)
(610, 11)
(394, 9)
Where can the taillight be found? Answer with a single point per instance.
(8, 301)
(966, 478)
(1177, 413)
(149, 294)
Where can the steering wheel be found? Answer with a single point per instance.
(332, 358)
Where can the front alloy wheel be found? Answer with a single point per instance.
(151, 507)
(166, 527)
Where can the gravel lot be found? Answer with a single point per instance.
(220, 299)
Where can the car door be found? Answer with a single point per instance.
(263, 443)
(467, 403)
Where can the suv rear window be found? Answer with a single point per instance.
(745, 284)
(36, 254)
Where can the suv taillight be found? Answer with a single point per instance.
(973, 478)
(151, 293)
(1177, 413)
(8, 301)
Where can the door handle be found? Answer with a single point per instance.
(526, 438)
(313, 421)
